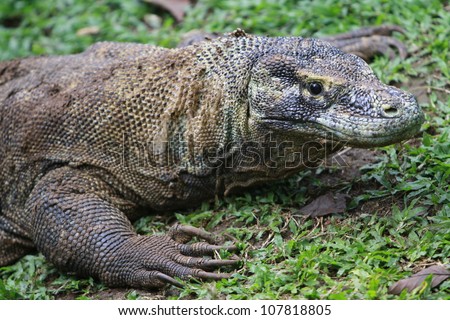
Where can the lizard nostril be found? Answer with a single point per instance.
(389, 111)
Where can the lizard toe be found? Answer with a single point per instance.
(393, 45)
(210, 275)
(202, 248)
(383, 30)
(170, 269)
(203, 263)
(182, 234)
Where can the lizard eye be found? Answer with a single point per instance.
(315, 88)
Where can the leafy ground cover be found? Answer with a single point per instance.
(397, 218)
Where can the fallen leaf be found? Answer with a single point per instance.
(440, 273)
(153, 21)
(88, 31)
(175, 7)
(325, 204)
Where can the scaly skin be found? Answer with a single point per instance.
(94, 140)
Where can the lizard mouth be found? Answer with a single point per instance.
(363, 131)
(354, 130)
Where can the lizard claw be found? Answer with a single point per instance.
(166, 279)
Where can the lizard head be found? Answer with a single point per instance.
(306, 89)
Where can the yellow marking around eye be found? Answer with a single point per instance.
(325, 80)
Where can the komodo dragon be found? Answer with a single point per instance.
(94, 140)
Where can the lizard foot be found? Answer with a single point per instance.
(160, 259)
(368, 42)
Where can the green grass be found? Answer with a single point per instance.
(398, 217)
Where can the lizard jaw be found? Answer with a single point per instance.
(368, 132)
(353, 130)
